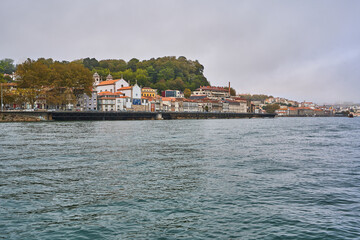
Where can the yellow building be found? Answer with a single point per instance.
(148, 92)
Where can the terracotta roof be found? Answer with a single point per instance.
(105, 93)
(110, 93)
(125, 88)
(108, 82)
(168, 99)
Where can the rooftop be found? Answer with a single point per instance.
(125, 88)
(108, 82)
(215, 89)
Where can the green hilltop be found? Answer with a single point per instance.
(161, 73)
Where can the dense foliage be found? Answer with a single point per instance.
(271, 108)
(161, 73)
(255, 97)
(6, 67)
(56, 82)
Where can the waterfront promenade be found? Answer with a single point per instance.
(23, 116)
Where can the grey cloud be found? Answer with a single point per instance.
(296, 49)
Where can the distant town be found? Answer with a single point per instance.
(109, 94)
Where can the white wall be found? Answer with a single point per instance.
(121, 83)
(136, 92)
(103, 88)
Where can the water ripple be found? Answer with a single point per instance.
(284, 178)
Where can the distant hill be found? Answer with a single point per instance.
(161, 73)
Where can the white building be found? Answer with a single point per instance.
(109, 85)
(108, 101)
(133, 92)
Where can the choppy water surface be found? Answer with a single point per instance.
(284, 178)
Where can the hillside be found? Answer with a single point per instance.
(161, 73)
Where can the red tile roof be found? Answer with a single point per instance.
(105, 93)
(168, 99)
(125, 88)
(108, 82)
(110, 93)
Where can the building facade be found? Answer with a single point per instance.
(212, 92)
(148, 92)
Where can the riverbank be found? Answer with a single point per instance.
(23, 116)
(11, 116)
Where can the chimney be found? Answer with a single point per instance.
(229, 90)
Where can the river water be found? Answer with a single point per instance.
(283, 178)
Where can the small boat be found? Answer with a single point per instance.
(350, 115)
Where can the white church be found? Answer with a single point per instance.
(114, 95)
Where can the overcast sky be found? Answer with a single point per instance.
(301, 50)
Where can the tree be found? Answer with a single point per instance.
(259, 97)
(169, 68)
(232, 91)
(142, 77)
(179, 84)
(129, 75)
(35, 76)
(271, 108)
(7, 66)
(152, 73)
(132, 64)
(90, 63)
(187, 93)
(167, 73)
(160, 86)
(7, 78)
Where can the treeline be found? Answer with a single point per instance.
(54, 82)
(255, 97)
(7, 66)
(161, 73)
